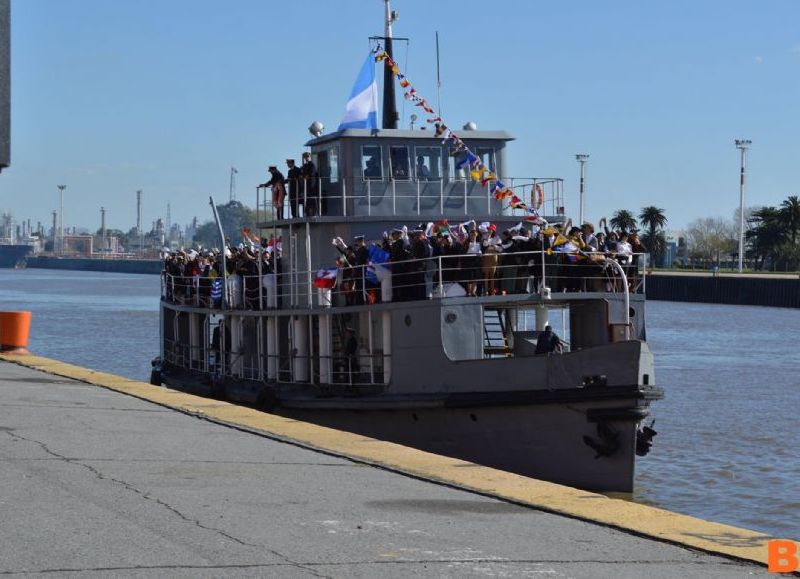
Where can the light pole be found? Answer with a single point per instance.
(742, 145)
(61, 219)
(582, 158)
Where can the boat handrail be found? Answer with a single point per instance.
(440, 277)
(424, 197)
(367, 370)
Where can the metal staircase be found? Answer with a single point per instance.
(495, 334)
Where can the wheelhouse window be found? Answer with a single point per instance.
(399, 163)
(486, 155)
(323, 166)
(372, 163)
(333, 168)
(428, 163)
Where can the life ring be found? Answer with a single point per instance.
(539, 195)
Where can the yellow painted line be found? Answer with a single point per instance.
(631, 517)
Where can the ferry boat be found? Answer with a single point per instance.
(401, 351)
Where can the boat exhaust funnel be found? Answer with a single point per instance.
(390, 116)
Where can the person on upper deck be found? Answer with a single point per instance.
(278, 184)
(420, 276)
(589, 237)
(601, 241)
(624, 250)
(636, 243)
(399, 252)
(295, 192)
(471, 262)
(308, 186)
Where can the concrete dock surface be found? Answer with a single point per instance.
(99, 483)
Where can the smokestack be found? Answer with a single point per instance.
(55, 228)
(103, 221)
(390, 116)
(139, 211)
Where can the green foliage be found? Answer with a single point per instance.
(652, 218)
(233, 216)
(654, 239)
(789, 216)
(766, 236)
(623, 219)
(773, 236)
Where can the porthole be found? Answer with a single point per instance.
(631, 312)
(408, 320)
(450, 317)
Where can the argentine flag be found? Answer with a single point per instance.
(361, 111)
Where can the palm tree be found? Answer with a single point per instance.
(766, 235)
(789, 215)
(653, 219)
(623, 219)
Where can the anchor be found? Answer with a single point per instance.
(608, 444)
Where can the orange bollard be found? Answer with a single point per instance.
(14, 330)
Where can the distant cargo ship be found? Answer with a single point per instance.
(14, 248)
(13, 255)
(110, 265)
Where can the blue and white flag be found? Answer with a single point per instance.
(377, 270)
(361, 111)
(216, 289)
(468, 159)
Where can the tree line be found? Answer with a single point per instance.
(771, 238)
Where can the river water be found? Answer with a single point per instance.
(727, 443)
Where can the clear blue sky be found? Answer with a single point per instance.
(165, 95)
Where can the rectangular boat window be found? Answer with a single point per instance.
(486, 155)
(428, 163)
(398, 160)
(371, 163)
(333, 159)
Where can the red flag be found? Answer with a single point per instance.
(325, 278)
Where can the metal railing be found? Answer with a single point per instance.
(350, 196)
(358, 371)
(441, 277)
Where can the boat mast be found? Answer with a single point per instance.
(390, 116)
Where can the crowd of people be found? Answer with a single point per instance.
(479, 260)
(195, 276)
(435, 259)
